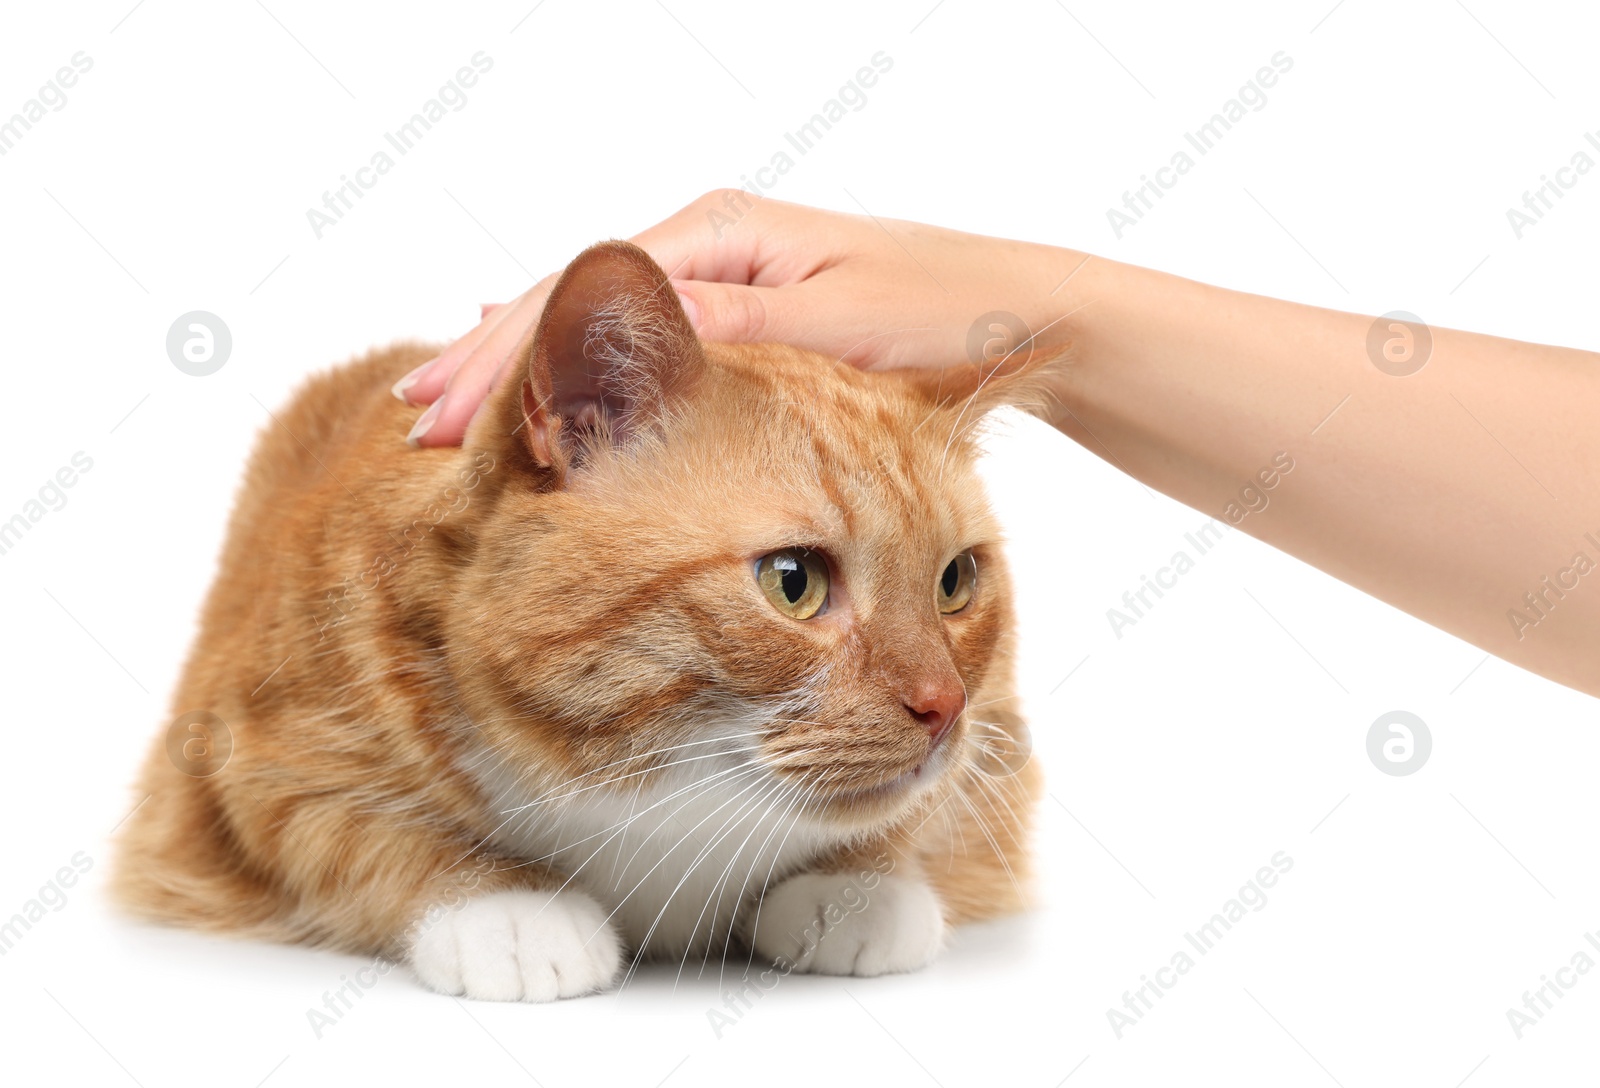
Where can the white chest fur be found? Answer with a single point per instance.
(673, 859)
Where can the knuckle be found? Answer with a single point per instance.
(747, 315)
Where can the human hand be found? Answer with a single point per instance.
(875, 293)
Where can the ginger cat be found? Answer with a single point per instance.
(689, 649)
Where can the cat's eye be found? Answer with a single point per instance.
(795, 580)
(957, 583)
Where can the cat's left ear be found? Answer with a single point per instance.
(612, 351)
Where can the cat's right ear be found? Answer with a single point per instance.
(612, 350)
(1030, 383)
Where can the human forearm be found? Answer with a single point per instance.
(1452, 493)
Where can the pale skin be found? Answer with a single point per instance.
(1461, 493)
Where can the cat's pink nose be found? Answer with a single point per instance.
(937, 704)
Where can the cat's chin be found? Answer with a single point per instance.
(896, 789)
(888, 800)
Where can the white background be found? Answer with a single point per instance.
(1227, 725)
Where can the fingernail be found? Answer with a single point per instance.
(691, 310)
(424, 423)
(400, 387)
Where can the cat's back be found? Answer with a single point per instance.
(269, 648)
(325, 464)
(343, 416)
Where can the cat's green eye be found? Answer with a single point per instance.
(795, 580)
(957, 583)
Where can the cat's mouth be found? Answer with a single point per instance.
(901, 783)
(849, 788)
(892, 793)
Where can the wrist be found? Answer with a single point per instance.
(1079, 290)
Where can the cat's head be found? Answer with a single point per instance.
(745, 569)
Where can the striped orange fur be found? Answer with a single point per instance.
(433, 665)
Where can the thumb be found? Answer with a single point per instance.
(735, 313)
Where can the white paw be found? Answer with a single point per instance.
(518, 946)
(831, 924)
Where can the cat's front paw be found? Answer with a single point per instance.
(518, 946)
(826, 923)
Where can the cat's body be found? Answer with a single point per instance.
(514, 710)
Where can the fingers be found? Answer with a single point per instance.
(699, 242)
(424, 384)
(724, 242)
(832, 316)
(469, 369)
(731, 236)
(732, 313)
(461, 378)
